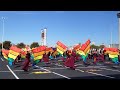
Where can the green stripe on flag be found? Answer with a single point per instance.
(83, 56)
(114, 59)
(36, 61)
(10, 59)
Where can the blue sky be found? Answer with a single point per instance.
(69, 27)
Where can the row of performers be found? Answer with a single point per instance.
(69, 59)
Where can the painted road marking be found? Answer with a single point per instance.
(33, 69)
(18, 70)
(91, 72)
(91, 66)
(12, 72)
(53, 68)
(4, 71)
(88, 67)
(53, 72)
(100, 74)
(110, 69)
(80, 70)
(56, 73)
(39, 72)
(94, 73)
(2, 59)
(105, 69)
(81, 67)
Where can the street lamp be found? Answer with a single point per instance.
(118, 15)
(3, 18)
(3, 31)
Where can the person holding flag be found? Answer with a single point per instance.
(70, 61)
(46, 58)
(27, 61)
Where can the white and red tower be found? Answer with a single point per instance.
(43, 36)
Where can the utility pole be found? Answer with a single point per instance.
(3, 18)
(118, 15)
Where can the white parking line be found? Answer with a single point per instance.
(56, 73)
(100, 74)
(4, 71)
(38, 69)
(18, 70)
(90, 72)
(110, 69)
(101, 67)
(60, 65)
(79, 70)
(12, 72)
(61, 75)
(88, 67)
(54, 68)
(2, 59)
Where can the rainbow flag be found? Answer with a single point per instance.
(47, 50)
(38, 53)
(13, 53)
(5, 53)
(76, 47)
(113, 54)
(84, 50)
(23, 54)
(61, 48)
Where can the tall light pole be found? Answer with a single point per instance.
(3, 18)
(118, 15)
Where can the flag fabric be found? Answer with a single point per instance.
(61, 48)
(5, 53)
(48, 49)
(113, 54)
(84, 50)
(76, 47)
(13, 53)
(38, 53)
(23, 54)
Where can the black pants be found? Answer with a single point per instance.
(119, 58)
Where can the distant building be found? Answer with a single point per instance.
(114, 45)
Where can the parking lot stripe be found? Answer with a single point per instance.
(12, 72)
(2, 59)
(56, 73)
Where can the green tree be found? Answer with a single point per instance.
(101, 46)
(34, 44)
(21, 45)
(94, 46)
(7, 44)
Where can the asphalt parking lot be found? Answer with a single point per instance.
(56, 70)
